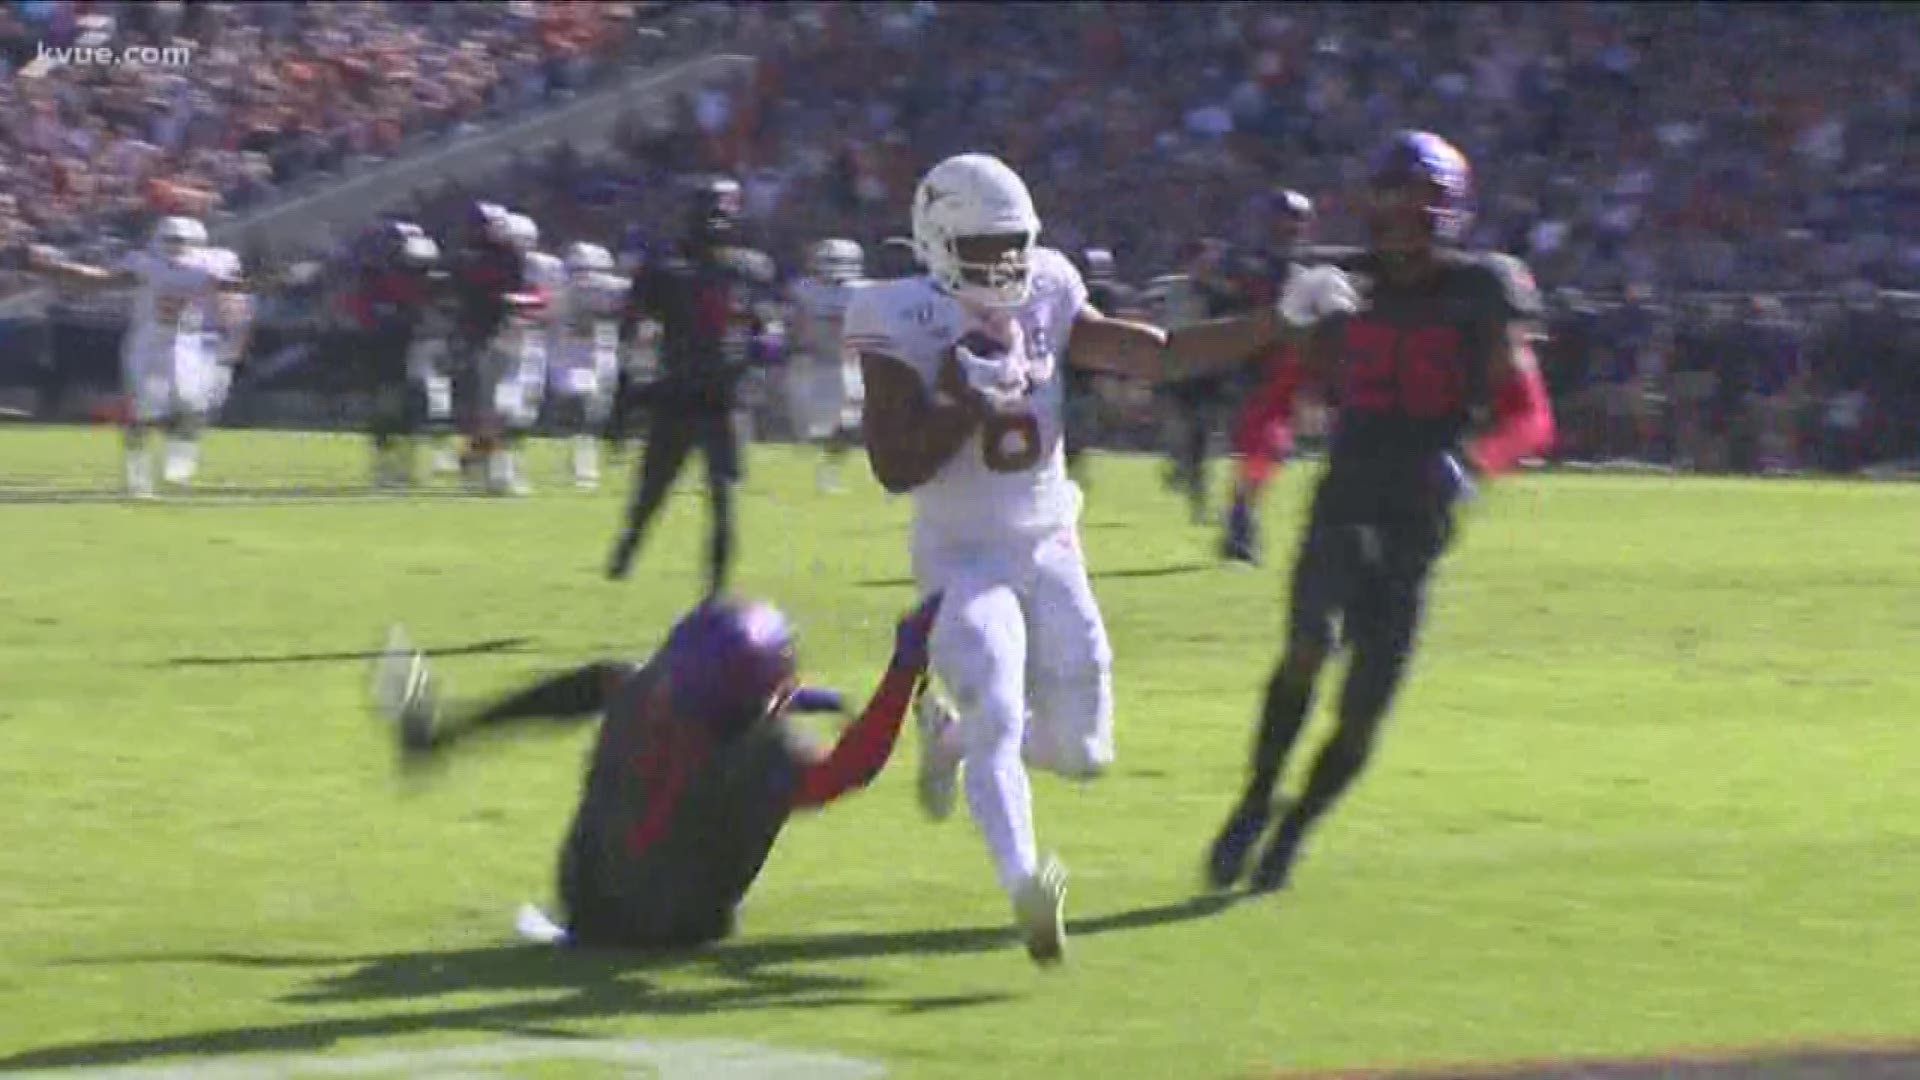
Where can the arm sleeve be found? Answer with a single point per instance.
(1522, 417)
(866, 328)
(863, 747)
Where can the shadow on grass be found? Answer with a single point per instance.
(761, 974)
(478, 648)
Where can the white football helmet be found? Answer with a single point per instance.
(420, 250)
(175, 236)
(522, 232)
(972, 201)
(837, 260)
(585, 258)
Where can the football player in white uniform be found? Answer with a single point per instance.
(228, 319)
(522, 363)
(824, 388)
(962, 374)
(170, 373)
(585, 362)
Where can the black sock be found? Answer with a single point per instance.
(574, 695)
(1288, 701)
(1371, 681)
(720, 544)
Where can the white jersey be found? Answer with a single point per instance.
(225, 315)
(586, 315)
(586, 331)
(531, 334)
(1010, 478)
(822, 309)
(170, 308)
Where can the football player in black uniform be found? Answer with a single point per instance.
(1418, 340)
(697, 766)
(711, 299)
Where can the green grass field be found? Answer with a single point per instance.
(1653, 786)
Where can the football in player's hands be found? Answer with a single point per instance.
(952, 387)
(987, 366)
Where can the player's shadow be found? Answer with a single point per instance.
(1175, 570)
(478, 648)
(770, 973)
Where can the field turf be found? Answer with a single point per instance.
(1655, 787)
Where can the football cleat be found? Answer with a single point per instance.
(403, 692)
(1039, 905)
(1276, 864)
(1228, 856)
(939, 765)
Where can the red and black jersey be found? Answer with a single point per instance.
(1411, 375)
(482, 277)
(388, 300)
(708, 308)
(676, 824)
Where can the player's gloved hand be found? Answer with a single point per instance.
(911, 635)
(951, 388)
(818, 699)
(1454, 480)
(1315, 293)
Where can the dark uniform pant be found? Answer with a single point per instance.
(605, 909)
(672, 435)
(1362, 581)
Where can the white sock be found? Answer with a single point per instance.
(1001, 801)
(182, 459)
(586, 458)
(139, 469)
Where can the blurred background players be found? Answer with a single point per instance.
(584, 363)
(518, 362)
(1215, 285)
(1106, 292)
(1262, 434)
(388, 303)
(823, 380)
(696, 768)
(712, 299)
(170, 373)
(486, 277)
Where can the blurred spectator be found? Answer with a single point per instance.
(268, 94)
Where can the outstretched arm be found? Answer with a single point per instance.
(1124, 347)
(1219, 345)
(49, 263)
(866, 744)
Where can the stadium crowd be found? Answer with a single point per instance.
(1615, 143)
(265, 96)
(1635, 154)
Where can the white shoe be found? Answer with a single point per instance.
(939, 765)
(140, 477)
(1039, 907)
(403, 690)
